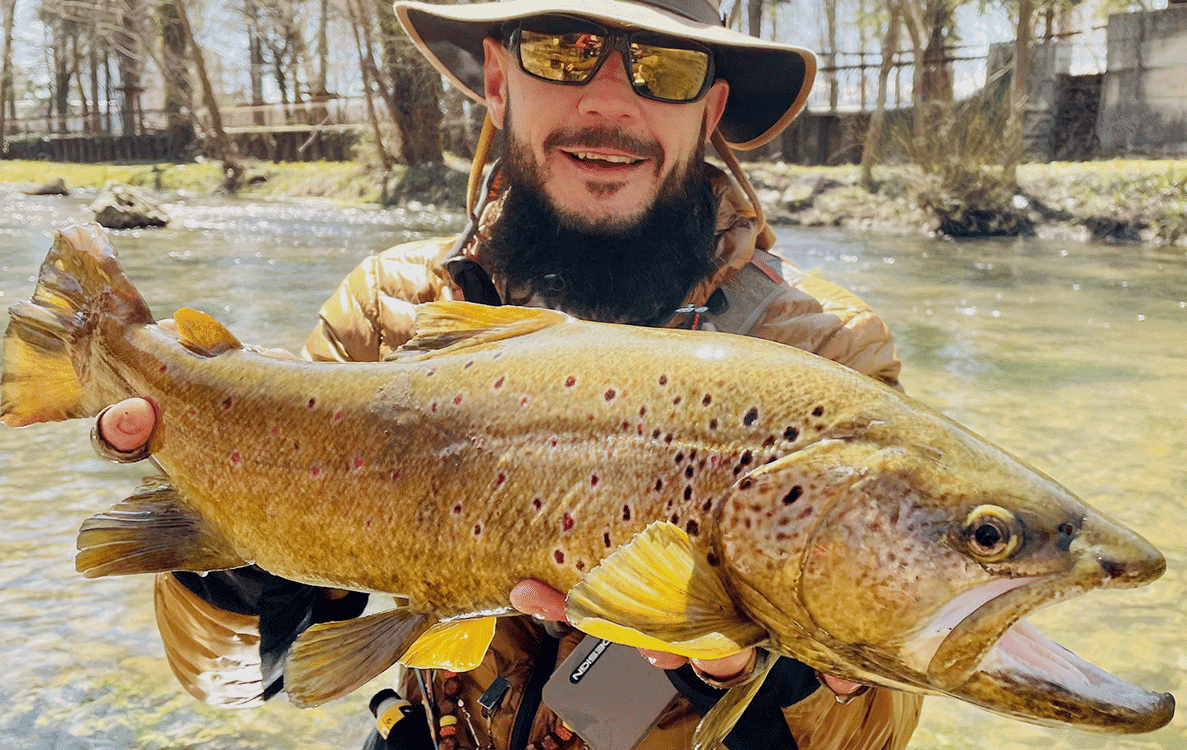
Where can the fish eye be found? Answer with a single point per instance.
(992, 533)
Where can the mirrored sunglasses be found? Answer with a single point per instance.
(569, 50)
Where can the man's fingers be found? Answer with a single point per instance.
(537, 598)
(839, 686)
(663, 659)
(127, 425)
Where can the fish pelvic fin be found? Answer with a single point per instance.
(202, 334)
(453, 323)
(153, 531)
(659, 592)
(720, 720)
(47, 347)
(332, 659)
(458, 645)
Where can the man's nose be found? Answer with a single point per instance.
(609, 93)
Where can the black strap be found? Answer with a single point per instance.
(533, 693)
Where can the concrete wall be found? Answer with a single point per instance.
(1144, 97)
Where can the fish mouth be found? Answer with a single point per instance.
(979, 648)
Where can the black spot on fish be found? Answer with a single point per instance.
(567, 522)
(609, 394)
(688, 471)
(769, 441)
(626, 426)
(606, 539)
(642, 411)
(708, 506)
(227, 403)
(468, 365)
(580, 565)
(312, 403)
(692, 527)
(746, 483)
(750, 417)
(708, 399)
(713, 560)
(457, 509)
(688, 492)
(680, 457)
(593, 481)
(712, 424)
(746, 458)
(677, 400)
(795, 494)
(626, 512)
(818, 411)
(537, 503)
(655, 434)
(675, 518)
(668, 438)
(790, 434)
(659, 485)
(559, 556)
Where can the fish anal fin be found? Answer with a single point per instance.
(720, 720)
(453, 323)
(658, 591)
(202, 334)
(458, 645)
(153, 531)
(330, 660)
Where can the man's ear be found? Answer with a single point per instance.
(715, 100)
(494, 74)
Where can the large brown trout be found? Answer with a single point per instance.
(695, 492)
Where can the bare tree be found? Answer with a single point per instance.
(869, 154)
(7, 18)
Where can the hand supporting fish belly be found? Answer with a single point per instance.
(818, 515)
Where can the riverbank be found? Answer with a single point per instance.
(1120, 201)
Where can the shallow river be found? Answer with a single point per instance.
(1071, 356)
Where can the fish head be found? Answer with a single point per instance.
(905, 552)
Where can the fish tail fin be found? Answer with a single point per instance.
(47, 348)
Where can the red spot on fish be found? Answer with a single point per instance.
(626, 426)
(593, 481)
(580, 565)
(570, 381)
(315, 471)
(457, 509)
(395, 476)
(500, 480)
(433, 407)
(559, 556)
(708, 399)
(359, 462)
(640, 429)
(537, 503)
(337, 415)
(227, 403)
(457, 400)
(554, 442)
(609, 394)
(567, 522)
(678, 399)
(523, 401)
(164, 368)
(235, 457)
(477, 529)
(663, 379)
(642, 411)
(296, 445)
(312, 403)
(499, 383)
(770, 441)
(468, 365)
(276, 430)
(192, 411)
(368, 523)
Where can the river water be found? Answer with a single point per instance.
(1072, 356)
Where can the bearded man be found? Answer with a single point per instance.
(601, 204)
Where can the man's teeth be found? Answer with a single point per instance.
(587, 156)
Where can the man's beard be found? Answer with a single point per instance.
(628, 273)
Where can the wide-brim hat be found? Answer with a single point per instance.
(769, 82)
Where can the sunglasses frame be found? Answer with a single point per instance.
(616, 40)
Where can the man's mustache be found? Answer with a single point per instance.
(597, 136)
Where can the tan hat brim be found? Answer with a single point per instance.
(769, 82)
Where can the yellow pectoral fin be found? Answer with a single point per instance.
(658, 591)
(458, 645)
(203, 334)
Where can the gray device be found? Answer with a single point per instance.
(608, 694)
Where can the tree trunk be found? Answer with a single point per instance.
(369, 70)
(937, 70)
(754, 17)
(255, 58)
(1019, 88)
(126, 50)
(869, 154)
(221, 148)
(7, 18)
(830, 55)
(178, 96)
(416, 89)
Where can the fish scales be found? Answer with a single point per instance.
(693, 492)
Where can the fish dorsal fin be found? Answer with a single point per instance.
(720, 720)
(329, 660)
(659, 592)
(202, 334)
(153, 531)
(457, 646)
(456, 323)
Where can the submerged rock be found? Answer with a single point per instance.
(53, 187)
(125, 207)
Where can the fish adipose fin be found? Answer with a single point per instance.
(328, 661)
(458, 645)
(47, 344)
(202, 334)
(153, 531)
(659, 592)
(455, 323)
(720, 720)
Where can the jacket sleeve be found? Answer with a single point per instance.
(373, 310)
(825, 319)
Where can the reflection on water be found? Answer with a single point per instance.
(1071, 356)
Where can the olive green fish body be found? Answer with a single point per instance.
(692, 492)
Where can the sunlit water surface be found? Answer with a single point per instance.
(1071, 356)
